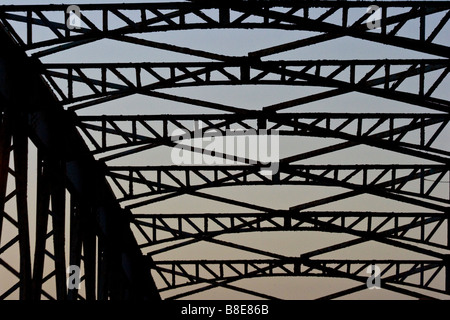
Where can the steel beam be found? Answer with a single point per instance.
(158, 130)
(5, 148)
(267, 72)
(392, 271)
(52, 132)
(20, 142)
(161, 228)
(182, 16)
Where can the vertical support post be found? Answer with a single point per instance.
(154, 229)
(422, 24)
(70, 83)
(297, 268)
(138, 79)
(130, 183)
(448, 229)
(182, 19)
(447, 273)
(66, 30)
(344, 17)
(422, 181)
(75, 240)
(165, 128)
(105, 19)
(89, 250)
(30, 27)
(422, 131)
(5, 147)
(42, 211)
(134, 130)
(288, 222)
(383, 20)
(391, 129)
(143, 17)
(262, 123)
(396, 226)
(422, 79)
(266, 15)
(422, 229)
(387, 76)
(103, 132)
(352, 73)
(20, 142)
(197, 272)
(224, 15)
(102, 292)
(58, 201)
(245, 73)
(393, 177)
(103, 79)
(447, 257)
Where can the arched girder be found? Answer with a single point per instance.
(164, 228)
(380, 180)
(158, 17)
(182, 273)
(344, 77)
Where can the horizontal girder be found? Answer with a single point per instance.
(386, 131)
(206, 14)
(181, 273)
(347, 76)
(381, 180)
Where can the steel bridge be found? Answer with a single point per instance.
(78, 187)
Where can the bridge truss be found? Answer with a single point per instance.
(79, 185)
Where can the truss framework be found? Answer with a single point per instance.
(106, 199)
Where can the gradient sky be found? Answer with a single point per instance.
(239, 42)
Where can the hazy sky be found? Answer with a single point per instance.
(240, 42)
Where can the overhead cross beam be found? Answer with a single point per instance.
(165, 130)
(370, 178)
(181, 273)
(344, 75)
(161, 228)
(156, 17)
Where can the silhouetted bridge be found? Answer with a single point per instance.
(81, 193)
